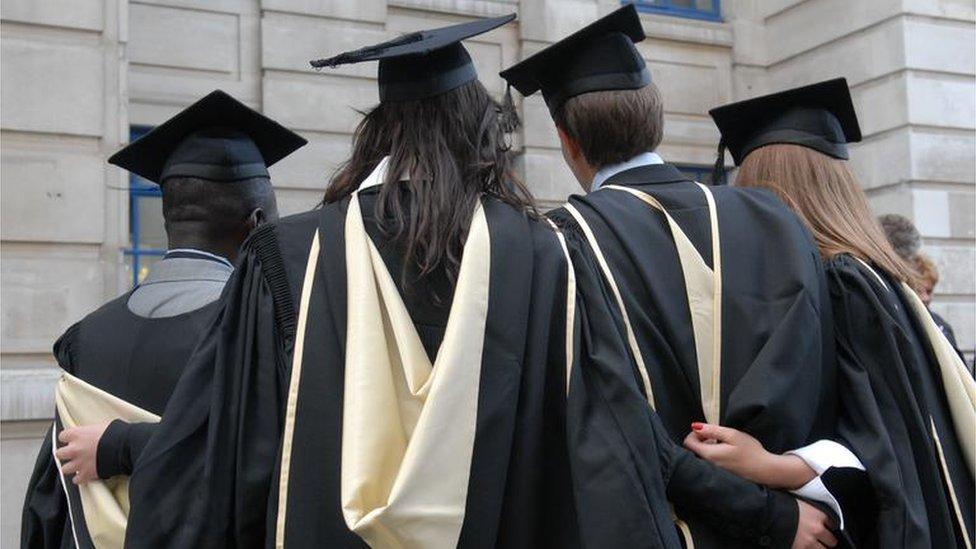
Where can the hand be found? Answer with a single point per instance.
(813, 529)
(730, 449)
(79, 454)
(743, 455)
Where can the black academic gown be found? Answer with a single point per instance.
(133, 358)
(892, 397)
(518, 493)
(211, 475)
(776, 359)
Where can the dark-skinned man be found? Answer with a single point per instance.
(122, 361)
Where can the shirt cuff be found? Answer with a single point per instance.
(820, 456)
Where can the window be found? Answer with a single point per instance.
(702, 174)
(695, 9)
(147, 234)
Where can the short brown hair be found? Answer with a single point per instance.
(613, 126)
(824, 192)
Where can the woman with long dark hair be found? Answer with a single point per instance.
(443, 155)
(906, 402)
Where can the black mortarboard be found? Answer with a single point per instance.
(601, 56)
(819, 116)
(218, 138)
(421, 64)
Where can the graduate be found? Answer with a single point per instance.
(907, 401)
(720, 289)
(122, 361)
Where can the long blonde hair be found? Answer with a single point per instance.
(824, 192)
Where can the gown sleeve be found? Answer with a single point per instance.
(120, 447)
(625, 467)
(204, 476)
(45, 522)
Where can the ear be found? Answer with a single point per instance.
(570, 147)
(255, 219)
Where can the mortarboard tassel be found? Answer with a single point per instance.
(718, 172)
(509, 117)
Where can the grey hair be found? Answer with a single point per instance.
(902, 234)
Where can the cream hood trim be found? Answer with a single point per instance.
(105, 503)
(409, 425)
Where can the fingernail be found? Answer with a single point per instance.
(697, 426)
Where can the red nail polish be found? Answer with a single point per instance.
(697, 426)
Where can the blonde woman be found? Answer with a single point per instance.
(897, 387)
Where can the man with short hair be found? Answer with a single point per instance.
(719, 290)
(210, 161)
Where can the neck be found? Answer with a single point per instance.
(584, 173)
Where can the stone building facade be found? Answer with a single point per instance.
(80, 77)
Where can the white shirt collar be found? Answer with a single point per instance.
(377, 176)
(219, 258)
(606, 172)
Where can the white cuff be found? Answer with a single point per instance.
(824, 454)
(820, 456)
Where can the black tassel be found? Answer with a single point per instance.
(718, 172)
(509, 118)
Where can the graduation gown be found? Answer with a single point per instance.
(461, 457)
(117, 365)
(360, 411)
(770, 370)
(898, 396)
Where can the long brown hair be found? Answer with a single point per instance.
(824, 192)
(452, 149)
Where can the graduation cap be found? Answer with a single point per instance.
(218, 138)
(421, 64)
(598, 57)
(819, 116)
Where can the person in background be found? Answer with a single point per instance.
(907, 407)
(902, 235)
(210, 161)
(928, 278)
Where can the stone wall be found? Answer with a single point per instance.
(77, 74)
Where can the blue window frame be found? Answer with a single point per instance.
(701, 174)
(708, 10)
(147, 236)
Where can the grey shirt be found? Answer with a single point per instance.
(183, 281)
